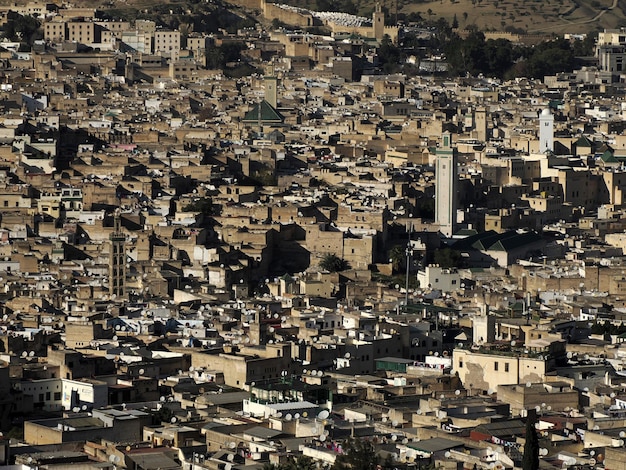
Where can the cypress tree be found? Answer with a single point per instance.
(531, 446)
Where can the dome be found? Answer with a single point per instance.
(546, 112)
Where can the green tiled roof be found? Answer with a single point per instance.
(607, 157)
(268, 114)
(584, 142)
(492, 240)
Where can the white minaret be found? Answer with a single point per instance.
(446, 185)
(546, 131)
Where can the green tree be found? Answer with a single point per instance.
(334, 263)
(389, 55)
(455, 22)
(22, 28)
(358, 455)
(203, 205)
(301, 462)
(447, 258)
(397, 255)
(530, 460)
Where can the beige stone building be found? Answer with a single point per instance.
(54, 31)
(485, 368)
(167, 43)
(82, 32)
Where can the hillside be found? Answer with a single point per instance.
(531, 16)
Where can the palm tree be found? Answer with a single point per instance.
(334, 263)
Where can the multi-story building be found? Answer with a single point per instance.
(167, 43)
(488, 366)
(54, 30)
(82, 32)
(611, 51)
(137, 41)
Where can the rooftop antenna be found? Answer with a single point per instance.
(409, 253)
(260, 121)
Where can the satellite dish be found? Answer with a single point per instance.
(84, 408)
(173, 420)
(528, 384)
(320, 373)
(297, 416)
(31, 353)
(162, 399)
(394, 438)
(76, 409)
(288, 417)
(305, 414)
(323, 414)
(457, 392)
(232, 445)
(322, 437)
(447, 454)
(141, 371)
(405, 441)
(347, 355)
(394, 423)
(228, 466)
(230, 457)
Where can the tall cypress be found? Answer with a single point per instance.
(531, 446)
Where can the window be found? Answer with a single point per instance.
(506, 367)
(495, 366)
(460, 363)
(57, 395)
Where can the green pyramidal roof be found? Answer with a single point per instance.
(268, 114)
